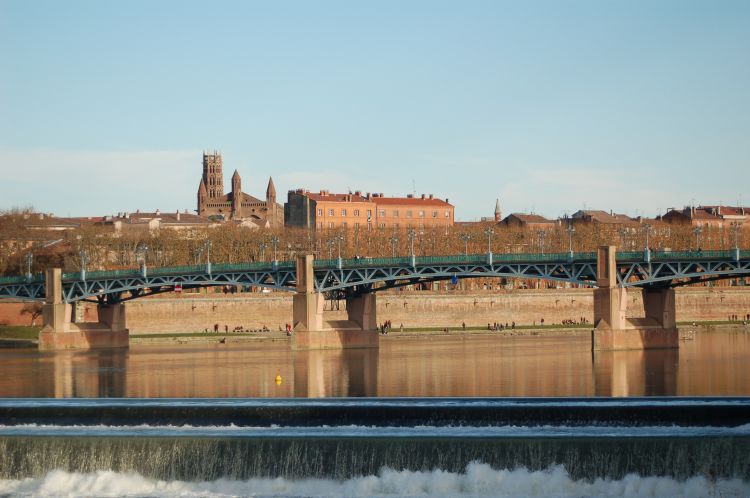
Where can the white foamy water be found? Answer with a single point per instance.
(425, 431)
(479, 480)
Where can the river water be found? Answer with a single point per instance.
(421, 416)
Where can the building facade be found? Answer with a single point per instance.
(326, 211)
(214, 204)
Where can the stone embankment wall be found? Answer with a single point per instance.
(197, 312)
(421, 309)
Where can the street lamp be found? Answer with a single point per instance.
(29, 261)
(647, 230)
(83, 256)
(262, 247)
(207, 246)
(411, 234)
(140, 256)
(735, 225)
(394, 242)
(466, 238)
(697, 231)
(330, 244)
(542, 234)
(275, 244)
(571, 230)
(489, 232)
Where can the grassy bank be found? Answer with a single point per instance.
(19, 332)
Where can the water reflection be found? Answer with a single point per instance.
(712, 364)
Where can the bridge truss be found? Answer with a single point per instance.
(355, 276)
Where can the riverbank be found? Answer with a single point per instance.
(19, 336)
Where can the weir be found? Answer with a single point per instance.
(60, 330)
(613, 330)
(311, 331)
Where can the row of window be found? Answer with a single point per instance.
(345, 225)
(381, 213)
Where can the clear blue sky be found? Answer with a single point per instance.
(551, 106)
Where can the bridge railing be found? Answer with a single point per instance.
(456, 259)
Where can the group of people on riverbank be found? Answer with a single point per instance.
(738, 318)
(498, 326)
(573, 321)
(386, 326)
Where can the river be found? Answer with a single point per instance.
(421, 416)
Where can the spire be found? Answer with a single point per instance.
(202, 192)
(498, 213)
(236, 183)
(271, 190)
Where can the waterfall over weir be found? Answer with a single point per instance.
(352, 447)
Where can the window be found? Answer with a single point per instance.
(408, 214)
(320, 212)
(395, 225)
(330, 224)
(343, 225)
(421, 214)
(356, 224)
(356, 212)
(447, 214)
(330, 212)
(395, 213)
(382, 225)
(381, 213)
(320, 225)
(434, 214)
(343, 212)
(369, 213)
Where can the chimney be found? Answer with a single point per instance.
(409, 196)
(178, 215)
(430, 196)
(158, 212)
(423, 196)
(358, 192)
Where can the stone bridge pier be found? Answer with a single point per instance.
(312, 331)
(60, 330)
(613, 330)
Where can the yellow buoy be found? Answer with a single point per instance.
(278, 379)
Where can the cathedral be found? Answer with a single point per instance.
(214, 204)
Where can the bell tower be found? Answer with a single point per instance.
(213, 177)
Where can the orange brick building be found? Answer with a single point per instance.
(327, 211)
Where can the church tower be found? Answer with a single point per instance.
(236, 196)
(202, 198)
(271, 212)
(212, 175)
(498, 213)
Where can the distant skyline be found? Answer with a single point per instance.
(550, 106)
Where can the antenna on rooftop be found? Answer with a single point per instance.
(413, 187)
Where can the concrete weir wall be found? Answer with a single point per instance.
(190, 313)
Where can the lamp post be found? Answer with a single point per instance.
(207, 246)
(84, 257)
(571, 230)
(330, 243)
(697, 231)
(140, 255)
(394, 242)
(275, 244)
(542, 234)
(489, 232)
(29, 262)
(262, 247)
(411, 234)
(466, 238)
(736, 232)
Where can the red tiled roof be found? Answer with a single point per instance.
(337, 197)
(530, 218)
(411, 201)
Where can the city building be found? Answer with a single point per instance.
(325, 211)
(528, 221)
(602, 218)
(214, 204)
(707, 216)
